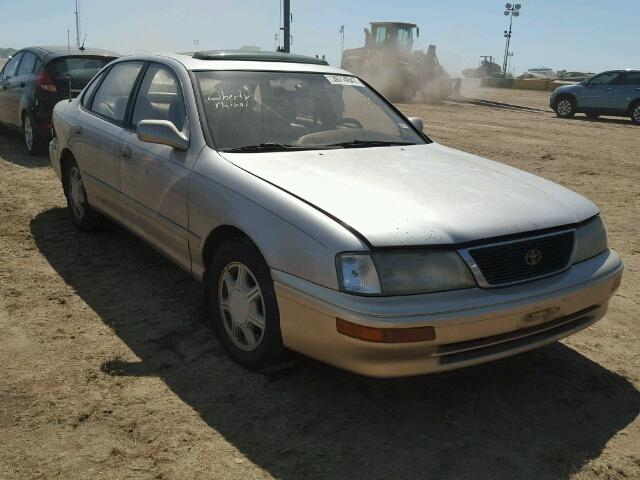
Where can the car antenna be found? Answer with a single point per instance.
(68, 73)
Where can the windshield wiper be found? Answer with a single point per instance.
(267, 147)
(368, 143)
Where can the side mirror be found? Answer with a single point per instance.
(417, 123)
(162, 132)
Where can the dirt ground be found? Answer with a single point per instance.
(107, 372)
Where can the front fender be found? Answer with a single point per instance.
(292, 236)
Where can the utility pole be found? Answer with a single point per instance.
(287, 25)
(78, 44)
(510, 11)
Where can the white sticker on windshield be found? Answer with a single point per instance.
(344, 80)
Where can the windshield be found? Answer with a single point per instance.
(81, 69)
(258, 110)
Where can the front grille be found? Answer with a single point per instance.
(514, 261)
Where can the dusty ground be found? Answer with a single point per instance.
(108, 373)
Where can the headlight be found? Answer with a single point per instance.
(357, 274)
(591, 240)
(403, 273)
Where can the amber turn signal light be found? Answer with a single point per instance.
(385, 335)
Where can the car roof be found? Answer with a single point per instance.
(260, 56)
(268, 62)
(64, 50)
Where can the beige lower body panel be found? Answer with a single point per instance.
(308, 326)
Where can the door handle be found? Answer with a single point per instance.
(608, 89)
(76, 130)
(125, 152)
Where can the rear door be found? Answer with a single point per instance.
(597, 91)
(626, 93)
(155, 177)
(96, 135)
(19, 87)
(6, 90)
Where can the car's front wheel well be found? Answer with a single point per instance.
(220, 235)
(564, 96)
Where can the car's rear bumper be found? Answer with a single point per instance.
(471, 326)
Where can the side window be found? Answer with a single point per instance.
(11, 68)
(633, 78)
(112, 97)
(27, 65)
(88, 92)
(608, 78)
(160, 98)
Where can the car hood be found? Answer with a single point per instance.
(419, 195)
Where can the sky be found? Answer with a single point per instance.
(576, 35)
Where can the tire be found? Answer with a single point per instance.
(592, 116)
(242, 305)
(565, 107)
(635, 113)
(82, 215)
(32, 140)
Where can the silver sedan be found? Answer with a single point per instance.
(321, 220)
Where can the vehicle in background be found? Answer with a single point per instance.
(36, 78)
(615, 92)
(574, 76)
(388, 62)
(321, 219)
(487, 68)
(539, 72)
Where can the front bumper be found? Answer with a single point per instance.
(472, 326)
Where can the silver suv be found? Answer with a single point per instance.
(616, 92)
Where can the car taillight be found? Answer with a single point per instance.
(45, 83)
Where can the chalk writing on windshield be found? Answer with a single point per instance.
(232, 101)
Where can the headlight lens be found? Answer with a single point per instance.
(591, 240)
(403, 273)
(357, 274)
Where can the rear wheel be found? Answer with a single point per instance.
(565, 107)
(32, 139)
(635, 113)
(82, 215)
(242, 305)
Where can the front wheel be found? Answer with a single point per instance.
(242, 305)
(565, 108)
(635, 113)
(82, 215)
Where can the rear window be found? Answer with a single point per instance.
(81, 69)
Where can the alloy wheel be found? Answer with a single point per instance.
(564, 108)
(28, 133)
(76, 192)
(636, 114)
(241, 306)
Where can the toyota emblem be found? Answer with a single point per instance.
(533, 257)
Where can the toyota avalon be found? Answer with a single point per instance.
(322, 220)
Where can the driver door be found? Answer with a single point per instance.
(597, 92)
